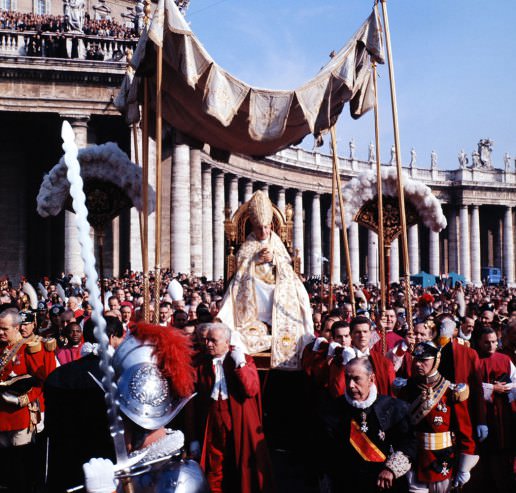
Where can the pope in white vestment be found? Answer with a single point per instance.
(265, 292)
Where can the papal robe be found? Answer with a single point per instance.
(268, 293)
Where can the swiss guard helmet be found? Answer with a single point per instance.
(154, 375)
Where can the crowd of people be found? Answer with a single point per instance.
(28, 21)
(478, 324)
(417, 396)
(48, 35)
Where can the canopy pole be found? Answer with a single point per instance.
(157, 270)
(343, 223)
(379, 195)
(145, 198)
(401, 194)
(332, 238)
(145, 181)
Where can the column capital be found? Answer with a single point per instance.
(75, 120)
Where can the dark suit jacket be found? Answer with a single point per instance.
(76, 422)
(389, 429)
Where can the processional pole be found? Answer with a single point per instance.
(336, 175)
(379, 192)
(401, 194)
(157, 270)
(145, 183)
(332, 238)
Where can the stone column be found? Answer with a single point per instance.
(298, 228)
(207, 224)
(179, 216)
(372, 257)
(316, 250)
(508, 247)
(281, 200)
(218, 227)
(265, 189)
(413, 244)
(72, 253)
(476, 259)
(465, 262)
(196, 239)
(433, 253)
(394, 267)
(115, 228)
(233, 193)
(248, 191)
(336, 256)
(453, 265)
(354, 251)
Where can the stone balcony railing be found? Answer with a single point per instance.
(14, 43)
(298, 157)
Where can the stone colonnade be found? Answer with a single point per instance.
(197, 194)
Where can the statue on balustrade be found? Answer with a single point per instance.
(507, 162)
(265, 292)
(433, 160)
(485, 147)
(74, 14)
(463, 159)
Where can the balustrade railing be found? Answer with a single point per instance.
(64, 45)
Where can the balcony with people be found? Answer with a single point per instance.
(25, 34)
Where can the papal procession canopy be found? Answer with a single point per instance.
(205, 102)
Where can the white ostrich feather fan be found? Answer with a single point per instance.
(363, 188)
(106, 162)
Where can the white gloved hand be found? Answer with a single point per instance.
(482, 432)
(10, 398)
(99, 476)
(318, 342)
(461, 478)
(238, 357)
(331, 348)
(195, 449)
(347, 355)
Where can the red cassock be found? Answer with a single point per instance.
(465, 368)
(35, 361)
(500, 412)
(315, 364)
(248, 450)
(383, 371)
(391, 340)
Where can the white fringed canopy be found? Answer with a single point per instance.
(203, 101)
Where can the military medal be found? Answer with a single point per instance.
(438, 420)
(363, 426)
(381, 435)
(445, 470)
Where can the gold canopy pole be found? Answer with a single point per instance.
(157, 270)
(145, 183)
(379, 194)
(343, 223)
(401, 194)
(332, 238)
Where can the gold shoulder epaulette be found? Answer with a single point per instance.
(50, 344)
(34, 345)
(460, 391)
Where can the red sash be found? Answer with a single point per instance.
(363, 444)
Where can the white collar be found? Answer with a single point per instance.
(465, 337)
(359, 353)
(373, 394)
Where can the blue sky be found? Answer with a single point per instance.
(454, 64)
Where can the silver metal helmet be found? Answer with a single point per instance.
(143, 392)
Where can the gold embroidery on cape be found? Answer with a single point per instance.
(287, 319)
